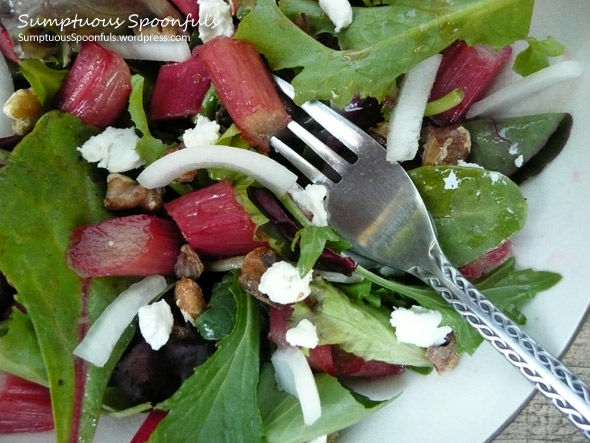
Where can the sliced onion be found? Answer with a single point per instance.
(159, 51)
(261, 168)
(103, 335)
(406, 121)
(225, 264)
(6, 90)
(526, 86)
(294, 376)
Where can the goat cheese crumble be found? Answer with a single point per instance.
(338, 11)
(419, 326)
(311, 199)
(304, 334)
(214, 19)
(282, 283)
(155, 323)
(113, 149)
(451, 181)
(205, 132)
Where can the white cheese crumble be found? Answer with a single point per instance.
(518, 161)
(451, 181)
(113, 149)
(419, 326)
(155, 323)
(304, 334)
(513, 150)
(311, 199)
(214, 19)
(205, 132)
(282, 284)
(465, 164)
(338, 11)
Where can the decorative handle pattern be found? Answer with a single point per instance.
(561, 386)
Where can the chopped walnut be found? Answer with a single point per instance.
(188, 264)
(188, 176)
(444, 357)
(24, 108)
(189, 299)
(125, 193)
(166, 28)
(255, 264)
(446, 145)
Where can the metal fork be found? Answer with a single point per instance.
(375, 206)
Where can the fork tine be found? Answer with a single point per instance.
(301, 164)
(348, 134)
(320, 148)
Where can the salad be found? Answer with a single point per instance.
(157, 256)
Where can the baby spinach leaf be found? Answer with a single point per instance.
(218, 402)
(219, 318)
(387, 42)
(19, 350)
(149, 147)
(357, 328)
(45, 191)
(536, 56)
(474, 210)
(518, 147)
(281, 412)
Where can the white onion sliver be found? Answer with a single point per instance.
(159, 51)
(261, 168)
(103, 335)
(526, 86)
(294, 376)
(6, 90)
(406, 121)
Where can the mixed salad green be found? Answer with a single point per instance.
(47, 191)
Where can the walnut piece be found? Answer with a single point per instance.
(444, 357)
(24, 108)
(189, 299)
(255, 264)
(188, 176)
(188, 264)
(125, 193)
(446, 145)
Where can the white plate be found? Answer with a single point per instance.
(474, 401)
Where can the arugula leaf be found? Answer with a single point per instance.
(393, 40)
(45, 191)
(536, 56)
(149, 147)
(312, 241)
(281, 412)
(19, 350)
(474, 210)
(357, 328)
(219, 318)
(44, 80)
(218, 402)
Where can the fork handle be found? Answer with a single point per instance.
(561, 386)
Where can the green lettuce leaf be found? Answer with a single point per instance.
(44, 80)
(536, 56)
(46, 190)
(474, 210)
(219, 318)
(357, 328)
(312, 241)
(218, 402)
(149, 147)
(19, 349)
(281, 412)
(385, 43)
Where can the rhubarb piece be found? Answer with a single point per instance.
(213, 222)
(136, 245)
(6, 47)
(471, 69)
(179, 90)
(339, 363)
(487, 262)
(24, 406)
(97, 87)
(188, 7)
(151, 422)
(245, 88)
